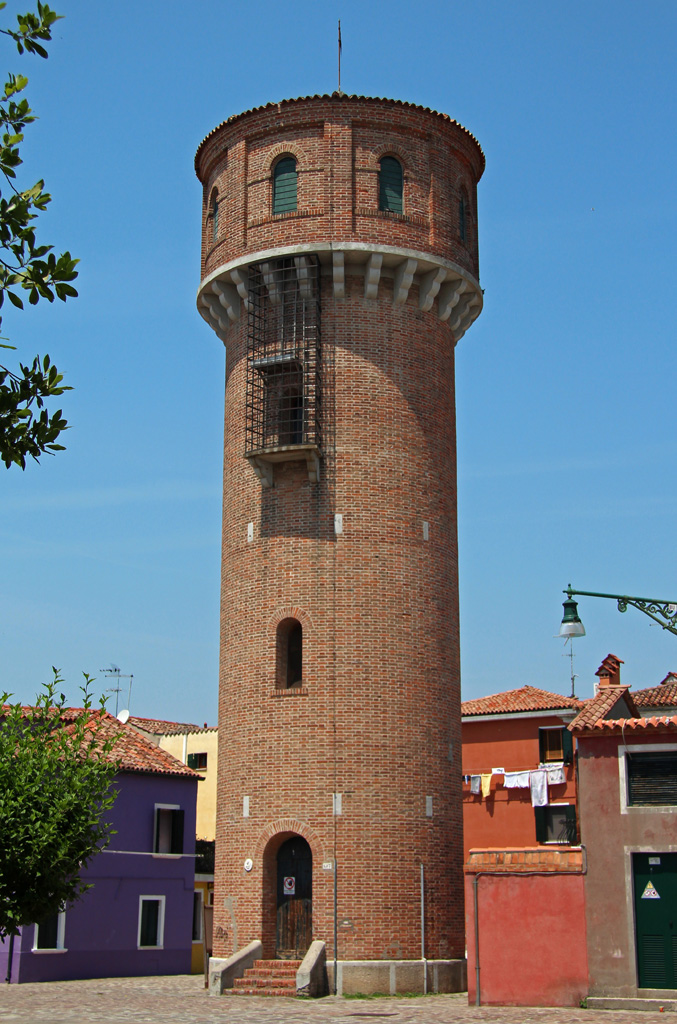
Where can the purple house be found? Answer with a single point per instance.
(138, 917)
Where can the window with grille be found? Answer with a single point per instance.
(652, 779)
(285, 185)
(283, 356)
(556, 823)
(390, 184)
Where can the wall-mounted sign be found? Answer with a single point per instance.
(327, 865)
(248, 864)
(650, 892)
(289, 887)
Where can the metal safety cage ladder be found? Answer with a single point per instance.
(283, 356)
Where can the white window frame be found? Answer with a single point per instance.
(160, 922)
(163, 807)
(201, 894)
(640, 748)
(60, 936)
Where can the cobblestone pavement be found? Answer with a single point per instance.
(183, 1000)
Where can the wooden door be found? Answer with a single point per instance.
(294, 899)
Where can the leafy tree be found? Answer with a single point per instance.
(27, 428)
(56, 771)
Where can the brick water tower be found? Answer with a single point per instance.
(340, 268)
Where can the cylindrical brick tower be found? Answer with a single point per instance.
(340, 268)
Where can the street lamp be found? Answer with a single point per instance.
(662, 612)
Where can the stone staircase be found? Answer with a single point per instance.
(267, 978)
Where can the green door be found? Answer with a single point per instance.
(655, 876)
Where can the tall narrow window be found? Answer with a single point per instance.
(151, 927)
(168, 829)
(214, 213)
(390, 183)
(284, 185)
(461, 219)
(289, 668)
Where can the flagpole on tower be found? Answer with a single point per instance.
(339, 56)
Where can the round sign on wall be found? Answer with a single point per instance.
(248, 864)
(289, 885)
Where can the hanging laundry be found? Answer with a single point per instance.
(556, 775)
(516, 780)
(539, 788)
(475, 784)
(486, 784)
(498, 771)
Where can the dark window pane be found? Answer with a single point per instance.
(197, 916)
(390, 185)
(150, 912)
(48, 932)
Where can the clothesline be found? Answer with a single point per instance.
(536, 780)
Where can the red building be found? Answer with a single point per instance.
(508, 738)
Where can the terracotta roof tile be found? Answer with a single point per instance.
(598, 708)
(624, 725)
(663, 695)
(339, 98)
(135, 752)
(160, 727)
(526, 698)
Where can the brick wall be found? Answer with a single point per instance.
(378, 716)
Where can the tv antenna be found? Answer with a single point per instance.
(116, 675)
(570, 654)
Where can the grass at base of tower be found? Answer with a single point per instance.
(183, 1000)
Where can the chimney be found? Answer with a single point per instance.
(609, 671)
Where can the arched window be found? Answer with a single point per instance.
(214, 214)
(284, 185)
(390, 184)
(289, 668)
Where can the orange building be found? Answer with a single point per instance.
(519, 782)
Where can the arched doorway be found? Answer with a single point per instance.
(294, 931)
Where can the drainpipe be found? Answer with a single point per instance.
(335, 927)
(10, 957)
(425, 966)
(475, 883)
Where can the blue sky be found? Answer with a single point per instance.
(565, 384)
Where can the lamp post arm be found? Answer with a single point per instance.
(662, 612)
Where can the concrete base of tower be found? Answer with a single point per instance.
(397, 977)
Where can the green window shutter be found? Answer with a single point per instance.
(191, 761)
(390, 181)
(540, 814)
(284, 186)
(542, 746)
(567, 746)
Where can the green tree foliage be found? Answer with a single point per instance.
(27, 269)
(56, 771)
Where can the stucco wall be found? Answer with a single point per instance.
(506, 817)
(612, 834)
(531, 939)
